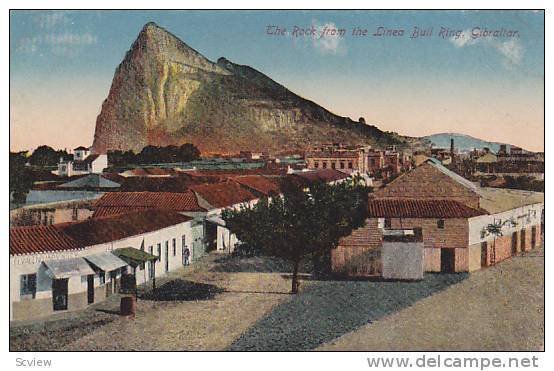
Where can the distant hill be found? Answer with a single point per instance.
(462, 142)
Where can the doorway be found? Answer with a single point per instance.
(211, 236)
(90, 288)
(59, 293)
(447, 261)
(166, 256)
(523, 238)
(514, 243)
(484, 253)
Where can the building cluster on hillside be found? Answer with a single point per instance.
(358, 159)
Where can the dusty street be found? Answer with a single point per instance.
(499, 308)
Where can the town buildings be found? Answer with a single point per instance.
(356, 159)
(83, 163)
(464, 227)
(72, 265)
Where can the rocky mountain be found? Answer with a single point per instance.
(461, 141)
(164, 92)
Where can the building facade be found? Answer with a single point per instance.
(68, 267)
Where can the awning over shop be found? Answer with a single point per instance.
(134, 257)
(67, 268)
(106, 261)
(215, 219)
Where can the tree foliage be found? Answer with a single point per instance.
(45, 156)
(21, 178)
(155, 155)
(301, 224)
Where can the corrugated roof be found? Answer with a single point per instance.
(38, 238)
(324, 175)
(112, 228)
(223, 194)
(497, 200)
(90, 181)
(175, 201)
(420, 208)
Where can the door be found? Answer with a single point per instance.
(166, 256)
(211, 236)
(447, 261)
(514, 243)
(59, 294)
(90, 288)
(484, 254)
(522, 234)
(151, 269)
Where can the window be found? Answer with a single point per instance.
(333, 165)
(174, 247)
(28, 285)
(440, 224)
(74, 214)
(316, 164)
(342, 165)
(387, 223)
(350, 165)
(324, 165)
(159, 251)
(102, 277)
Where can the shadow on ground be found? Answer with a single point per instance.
(181, 290)
(233, 264)
(328, 309)
(51, 334)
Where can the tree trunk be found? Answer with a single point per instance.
(295, 277)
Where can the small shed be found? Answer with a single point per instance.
(402, 254)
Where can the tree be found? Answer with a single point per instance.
(47, 156)
(301, 224)
(495, 229)
(21, 178)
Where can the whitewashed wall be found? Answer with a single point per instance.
(524, 216)
(31, 263)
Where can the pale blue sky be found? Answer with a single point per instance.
(62, 64)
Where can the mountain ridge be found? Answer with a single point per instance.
(165, 92)
(462, 141)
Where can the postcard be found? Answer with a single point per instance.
(277, 180)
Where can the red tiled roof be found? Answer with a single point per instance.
(158, 184)
(184, 201)
(418, 208)
(39, 238)
(223, 194)
(112, 228)
(257, 183)
(100, 212)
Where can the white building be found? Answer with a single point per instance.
(67, 267)
(83, 163)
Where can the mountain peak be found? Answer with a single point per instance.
(165, 92)
(156, 42)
